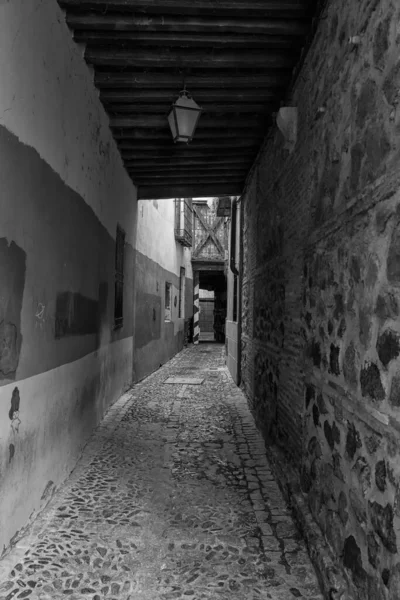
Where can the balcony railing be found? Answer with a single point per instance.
(184, 221)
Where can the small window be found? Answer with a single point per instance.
(168, 291)
(181, 309)
(119, 278)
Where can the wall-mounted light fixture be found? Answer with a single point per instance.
(183, 117)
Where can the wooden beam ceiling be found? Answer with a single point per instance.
(236, 8)
(235, 56)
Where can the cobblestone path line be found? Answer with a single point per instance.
(173, 498)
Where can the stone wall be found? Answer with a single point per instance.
(321, 290)
(159, 258)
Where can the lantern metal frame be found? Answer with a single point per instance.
(174, 108)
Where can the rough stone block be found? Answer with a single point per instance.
(394, 397)
(382, 522)
(334, 360)
(349, 365)
(393, 259)
(373, 549)
(353, 441)
(386, 306)
(388, 346)
(352, 558)
(371, 384)
(363, 472)
(380, 475)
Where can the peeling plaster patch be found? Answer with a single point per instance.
(11, 449)
(14, 411)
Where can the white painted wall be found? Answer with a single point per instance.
(156, 239)
(48, 100)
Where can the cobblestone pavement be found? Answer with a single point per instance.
(173, 498)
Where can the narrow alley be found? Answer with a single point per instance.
(172, 498)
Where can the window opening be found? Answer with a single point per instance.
(119, 278)
(168, 291)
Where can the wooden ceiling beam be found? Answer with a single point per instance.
(186, 40)
(165, 136)
(138, 82)
(193, 179)
(203, 162)
(159, 192)
(205, 165)
(182, 58)
(208, 108)
(215, 146)
(185, 24)
(208, 151)
(163, 160)
(257, 8)
(205, 122)
(169, 96)
(183, 174)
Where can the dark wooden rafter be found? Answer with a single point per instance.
(257, 8)
(181, 58)
(235, 56)
(169, 96)
(184, 40)
(201, 166)
(136, 81)
(187, 25)
(208, 108)
(188, 190)
(207, 122)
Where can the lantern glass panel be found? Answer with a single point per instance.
(183, 118)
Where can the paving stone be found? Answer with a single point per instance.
(165, 503)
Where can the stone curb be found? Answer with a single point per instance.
(332, 577)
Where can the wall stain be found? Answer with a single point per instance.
(12, 452)
(75, 315)
(13, 413)
(12, 277)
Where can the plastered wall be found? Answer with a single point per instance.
(63, 190)
(159, 258)
(321, 290)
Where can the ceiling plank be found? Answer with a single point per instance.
(205, 122)
(168, 96)
(201, 163)
(125, 141)
(155, 192)
(217, 145)
(183, 58)
(182, 175)
(266, 8)
(208, 108)
(242, 169)
(185, 24)
(138, 38)
(172, 81)
(208, 152)
(194, 178)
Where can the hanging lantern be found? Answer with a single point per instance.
(183, 117)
